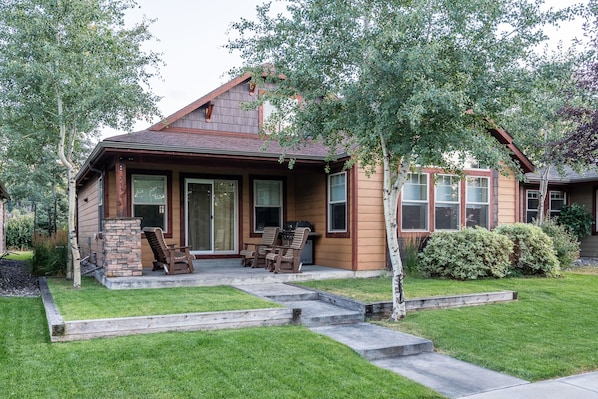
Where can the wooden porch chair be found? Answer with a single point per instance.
(174, 260)
(257, 255)
(288, 258)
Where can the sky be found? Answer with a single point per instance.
(192, 35)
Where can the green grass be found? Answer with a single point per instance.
(549, 332)
(20, 255)
(94, 301)
(276, 362)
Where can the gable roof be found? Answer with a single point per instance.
(568, 175)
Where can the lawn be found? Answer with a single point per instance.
(94, 301)
(549, 332)
(275, 362)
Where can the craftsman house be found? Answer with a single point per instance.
(207, 177)
(567, 188)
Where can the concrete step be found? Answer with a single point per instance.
(451, 377)
(279, 292)
(319, 313)
(374, 342)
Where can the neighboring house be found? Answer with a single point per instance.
(568, 189)
(208, 178)
(3, 198)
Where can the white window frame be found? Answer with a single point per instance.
(455, 179)
(164, 205)
(331, 202)
(528, 197)
(469, 202)
(425, 202)
(256, 203)
(564, 199)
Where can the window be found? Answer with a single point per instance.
(337, 202)
(414, 207)
(557, 200)
(477, 205)
(446, 209)
(533, 200)
(267, 203)
(274, 119)
(149, 200)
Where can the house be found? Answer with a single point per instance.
(3, 198)
(206, 176)
(568, 187)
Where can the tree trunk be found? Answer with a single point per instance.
(74, 261)
(393, 182)
(543, 193)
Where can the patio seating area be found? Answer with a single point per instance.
(212, 272)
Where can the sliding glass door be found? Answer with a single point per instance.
(211, 216)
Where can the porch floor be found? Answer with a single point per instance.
(212, 272)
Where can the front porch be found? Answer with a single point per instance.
(212, 272)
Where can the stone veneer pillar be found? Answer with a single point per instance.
(122, 247)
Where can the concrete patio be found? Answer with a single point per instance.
(212, 272)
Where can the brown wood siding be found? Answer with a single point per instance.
(583, 194)
(370, 227)
(227, 113)
(88, 217)
(507, 199)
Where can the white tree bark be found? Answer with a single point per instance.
(394, 178)
(74, 261)
(543, 193)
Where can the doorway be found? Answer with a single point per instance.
(211, 216)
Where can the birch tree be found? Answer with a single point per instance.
(396, 83)
(67, 69)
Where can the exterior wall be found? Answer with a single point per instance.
(89, 229)
(227, 114)
(508, 199)
(370, 225)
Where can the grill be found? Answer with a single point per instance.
(286, 235)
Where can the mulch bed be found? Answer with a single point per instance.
(15, 279)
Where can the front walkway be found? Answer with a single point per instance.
(212, 272)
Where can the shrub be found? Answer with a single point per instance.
(468, 254)
(411, 246)
(50, 254)
(19, 232)
(577, 219)
(533, 250)
(565, 243)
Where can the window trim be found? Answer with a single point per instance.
(458, 202)
(527, 198)
(426, 202)
(329, 229)
(252, 179)
(564, 199)
(488, 203)
(168, 175)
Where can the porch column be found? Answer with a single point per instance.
(121, 188)
(122, 247)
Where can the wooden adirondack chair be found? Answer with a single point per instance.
(288, 258)
(174, 260)
(257, 255)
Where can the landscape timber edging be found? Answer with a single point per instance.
(61, 331)
(436, 302)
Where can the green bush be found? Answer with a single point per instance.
(50, 254)
(468, 254)
(577, 219)
(19, 232)
(411, 245)
(533, 250)
(565, 243)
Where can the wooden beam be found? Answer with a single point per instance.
(121, 188)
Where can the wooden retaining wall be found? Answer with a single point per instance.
(61, 330)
